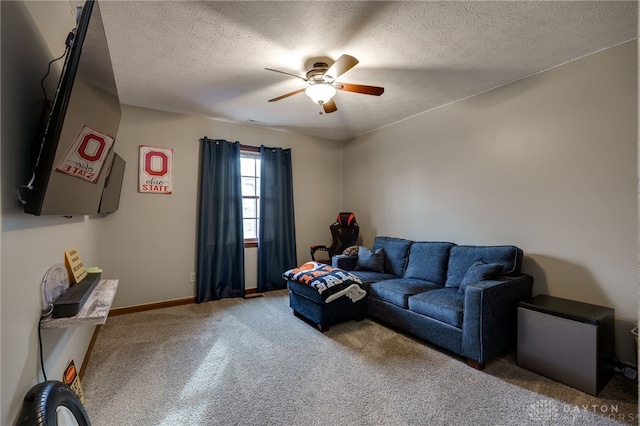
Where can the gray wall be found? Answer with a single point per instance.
(150, 242)
(547, 163)
(29, 244)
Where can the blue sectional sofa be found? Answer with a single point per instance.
(462, 298)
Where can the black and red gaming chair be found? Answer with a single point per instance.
(344, 232)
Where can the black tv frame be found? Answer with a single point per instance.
(46, 156)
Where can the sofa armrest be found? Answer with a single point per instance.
(490, 315)
(344, 261)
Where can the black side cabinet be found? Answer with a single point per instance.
(568, 341)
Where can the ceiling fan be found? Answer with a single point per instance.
(322, 84)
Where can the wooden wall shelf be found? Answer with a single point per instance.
(94, 312)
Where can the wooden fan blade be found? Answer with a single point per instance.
(286, 73)
(287, 95)
(329, 106)
(359, 88)
(342, 65)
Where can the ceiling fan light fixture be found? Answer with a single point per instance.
(320, 93)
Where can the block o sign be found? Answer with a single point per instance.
(92, 147)
(156, 163)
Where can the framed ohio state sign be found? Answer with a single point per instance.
(156, 166)
(86, 155)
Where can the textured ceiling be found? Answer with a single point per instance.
(208, 58)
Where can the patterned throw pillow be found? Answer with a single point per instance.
(351, 251)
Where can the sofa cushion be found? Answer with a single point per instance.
(396, 251)
(428, 261)
(446, 305)
(305, 290)
(370, 260)
(368, 277)
(462, 257)
(398, 290)
(480, 271)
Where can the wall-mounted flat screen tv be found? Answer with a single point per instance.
(72, 159)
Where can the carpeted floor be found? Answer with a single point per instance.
(252, 362)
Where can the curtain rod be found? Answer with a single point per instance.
(250, 148)
(242, 146)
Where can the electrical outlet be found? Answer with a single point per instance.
(192, 277)
(630, 373)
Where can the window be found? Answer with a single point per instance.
(250, 175)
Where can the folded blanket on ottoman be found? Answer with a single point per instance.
(330, 282)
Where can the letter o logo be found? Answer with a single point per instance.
(156, 163)
(91, 147)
